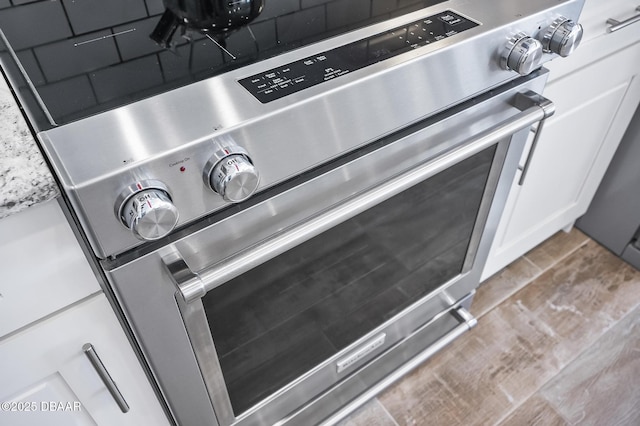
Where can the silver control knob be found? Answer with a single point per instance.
(562, 37)
(231, 174)
(522, 54)
(146, 209)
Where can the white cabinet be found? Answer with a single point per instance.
(48, 380)
(596, 91)
(42, 268)
(50, 306)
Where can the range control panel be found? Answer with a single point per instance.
(296, 76)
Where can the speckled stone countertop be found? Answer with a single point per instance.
(25, 179)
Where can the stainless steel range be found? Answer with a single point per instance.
(291, 201)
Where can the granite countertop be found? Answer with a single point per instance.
(25, 179)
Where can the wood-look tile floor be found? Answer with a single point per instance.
(557, 343)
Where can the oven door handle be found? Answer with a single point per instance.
(191, 286)
(525, 101)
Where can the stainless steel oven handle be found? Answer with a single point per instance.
(525, 101)
(192, 286)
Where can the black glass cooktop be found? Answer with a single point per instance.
(82, 57)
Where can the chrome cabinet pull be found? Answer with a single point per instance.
(616, 25)
(104, 375)
(192, 286)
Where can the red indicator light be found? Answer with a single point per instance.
(182, 169)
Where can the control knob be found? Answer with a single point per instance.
(231, 174)
(562, 37)
(147, 210)
(521, 54)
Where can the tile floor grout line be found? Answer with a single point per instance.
(386, 411)
(558, 260)
(563, 257)
(515, 408)
(540, 269)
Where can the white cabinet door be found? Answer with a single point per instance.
(46, 379)
(594, 106)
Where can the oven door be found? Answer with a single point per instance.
(315, 296)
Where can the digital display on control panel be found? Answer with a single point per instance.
(296, 76)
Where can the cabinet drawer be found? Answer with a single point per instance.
(596, 12)
(42, 268)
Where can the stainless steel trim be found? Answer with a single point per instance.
(248, 259)
(616, 25)
(525, 100)
(95, 360)
(196, 324)
(467, 322)
(485, 206)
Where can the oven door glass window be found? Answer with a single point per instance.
(281, 319)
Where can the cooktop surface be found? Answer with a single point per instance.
(82, 57)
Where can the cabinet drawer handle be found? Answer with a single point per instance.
(104, 375)
(616, 25)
